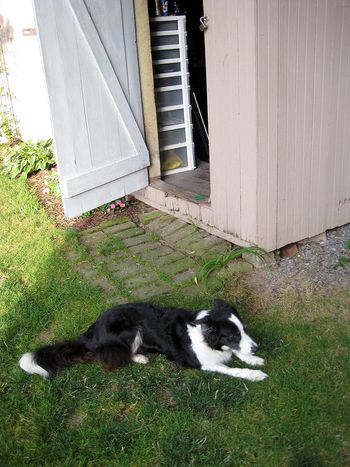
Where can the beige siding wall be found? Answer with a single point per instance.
(279, 117)
(231, 83)
(303, 109)
(267, 89)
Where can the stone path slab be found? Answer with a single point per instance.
(159, 255)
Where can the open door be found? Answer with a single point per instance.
(90, 60)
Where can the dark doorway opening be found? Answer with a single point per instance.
(197, 180)
(193, 11)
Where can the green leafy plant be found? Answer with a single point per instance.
(111, 207)
(52, 182)
(86, 214)
(215, 263)
(28, 157)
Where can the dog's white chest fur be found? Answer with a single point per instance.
(205, 354)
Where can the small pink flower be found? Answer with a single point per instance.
(126, 198)
(119, 202)
(122, 205)
(112, 206)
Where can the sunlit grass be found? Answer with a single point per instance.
(159, 414)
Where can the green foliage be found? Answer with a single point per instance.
(28, 157)
(112, 207)
(116, 204)
(86, 214)
(344, 261)
(215, 263)
(52, 182)
(7, 128)
(154, 236)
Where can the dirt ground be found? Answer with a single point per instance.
(315, 267)
(54, 208)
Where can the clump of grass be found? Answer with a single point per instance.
(194, 225)
(110, 245)
(154, 236)
(220, 261)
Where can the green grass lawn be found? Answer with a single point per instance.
(158, 414)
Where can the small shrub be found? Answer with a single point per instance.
(28, 157)
(115, 205)
(112, 207)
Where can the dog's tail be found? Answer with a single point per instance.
(48, 360)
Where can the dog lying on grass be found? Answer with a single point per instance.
(125, 333)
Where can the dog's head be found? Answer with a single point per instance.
(224, 329)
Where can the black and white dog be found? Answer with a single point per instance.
(125, 333)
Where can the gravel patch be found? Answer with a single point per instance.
(315, 266)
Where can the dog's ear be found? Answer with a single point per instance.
(222, 306)
(204, 320)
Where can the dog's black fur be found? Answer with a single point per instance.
(126, 332)
(109, 340)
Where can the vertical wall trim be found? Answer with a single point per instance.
(143, 39)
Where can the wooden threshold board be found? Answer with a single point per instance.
(194, 182)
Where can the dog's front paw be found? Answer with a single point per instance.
(255, 361)
(138, 358)
(255, 375)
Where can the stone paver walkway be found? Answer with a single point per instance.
(160, 255)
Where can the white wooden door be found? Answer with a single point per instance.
(90, 60)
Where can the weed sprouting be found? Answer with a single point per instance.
(211, 265)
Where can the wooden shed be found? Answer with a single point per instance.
(277, 76)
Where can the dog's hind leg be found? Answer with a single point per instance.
(113, 356)
(136, 357)
(244, 373)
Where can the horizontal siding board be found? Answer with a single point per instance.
(110, 191)
(101, 175)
